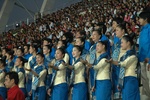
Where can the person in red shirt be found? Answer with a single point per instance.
(11, 82)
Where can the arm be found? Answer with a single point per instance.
(69, 66)
(42, 75)
(28, 65)
(33, 72)
(128, 61)
(101, 64)
(2, 75)
(78, 65)
(20, 74)
(66, 58)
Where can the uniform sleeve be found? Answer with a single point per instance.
(28, 67)
(78, 65)
(52, 62)
(88, 57)
(14, 68)
(128, 61)
(61, 67)
(2, 75)
(66, 58)
(42, 75)
(20, 74)
(101, 64)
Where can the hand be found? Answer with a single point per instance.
(51, 65)
(49, 92)
(119, 88)
(146, 60)
(28, 69)
(93, 89)
(30, 93)
(83, 61)
(148, 67)
(64, 64)
(109, 61)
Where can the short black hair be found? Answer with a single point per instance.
(62, 50)
(80, 48)
(21, 49)
(40, 54)
(47, 39)
(104, 43)
(145, 15)
(13, 75)
(118, 20)
(128, 38)
(99, 31)
(2, 61)
(27, 45)
(35, 46)
(83, 33)
(22, 59)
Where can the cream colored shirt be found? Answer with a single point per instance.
(21, 80)
(66, 58)
(60, 75)
(42, 77)
(28, 65)
(79, 70)
(2, 79)
(103, 69)
(130, 65)
(122, 52)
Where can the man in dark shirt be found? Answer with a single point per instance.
(11, 82)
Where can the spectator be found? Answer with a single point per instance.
(11, 82)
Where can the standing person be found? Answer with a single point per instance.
(11, 82)
(21, 73)
(47, 59)
(27, 55)
(2, 78)
(78, 82)
(68, 37)
(9, 61)
(115, 23)
(144, 51)
(102, 82)
(80, 42)
(58, 84)
(96, 36)
(38, 80)
(117, 53)
(33, 49)
(62, 44)
(82, 34)
(128, 83)
(47, 41)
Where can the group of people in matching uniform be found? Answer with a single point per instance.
(82, 70)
